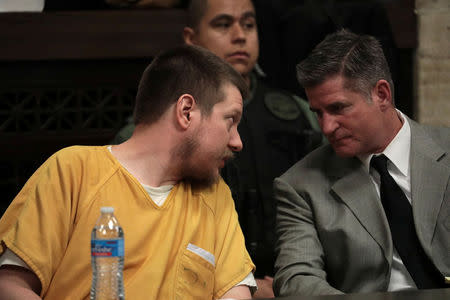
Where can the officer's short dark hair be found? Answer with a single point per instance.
(184, 70)
(195, 12)
(358, 58)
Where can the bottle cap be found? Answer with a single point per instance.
(107, 209)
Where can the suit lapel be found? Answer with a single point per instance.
(428, 183)
(358, 192)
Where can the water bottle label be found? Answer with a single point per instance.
(107, 248)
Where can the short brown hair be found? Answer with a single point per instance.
(182, 70)
(195, 12)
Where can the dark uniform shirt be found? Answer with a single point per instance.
(277, 130)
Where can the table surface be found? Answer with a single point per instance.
(435, 294)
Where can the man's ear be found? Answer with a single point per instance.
(381, 94)
(184, 110)
(189, 35)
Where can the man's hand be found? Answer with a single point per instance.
(264, 288)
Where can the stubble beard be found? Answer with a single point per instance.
(191, 171)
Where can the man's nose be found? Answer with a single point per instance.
(235, 142)
(328, 124)
(238, 32)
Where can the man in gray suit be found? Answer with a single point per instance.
(333, 233)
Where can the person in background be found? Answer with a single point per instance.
(177, 214)
(277, 128)
(370, 211)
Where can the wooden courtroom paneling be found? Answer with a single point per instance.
(89, 34)
(403, 21)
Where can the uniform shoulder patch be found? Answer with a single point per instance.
(282, 106)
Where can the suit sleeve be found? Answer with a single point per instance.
(300, 266)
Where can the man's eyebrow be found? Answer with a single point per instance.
(236, 112)
(221, 17)
(226, 17)
(337, 104)
(249, 14)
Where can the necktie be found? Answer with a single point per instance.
(398, 211)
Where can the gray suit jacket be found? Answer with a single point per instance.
(333, 235)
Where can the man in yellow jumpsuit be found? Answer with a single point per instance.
(182, 236)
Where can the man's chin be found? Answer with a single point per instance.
(242, 68)
(203, 181)
(344, 151)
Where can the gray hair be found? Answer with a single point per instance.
(358, 58)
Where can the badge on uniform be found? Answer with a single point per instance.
(282, 106)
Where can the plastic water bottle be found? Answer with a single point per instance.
(107, 256)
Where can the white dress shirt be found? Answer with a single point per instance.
(398, 152)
